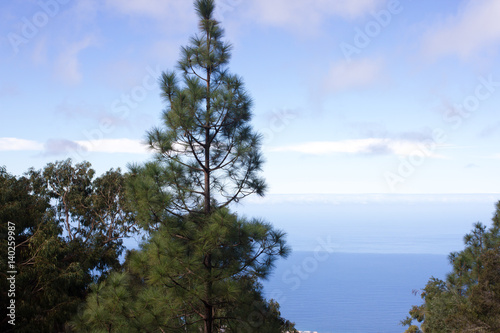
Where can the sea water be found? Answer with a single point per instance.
(349, 293)
(359, 262)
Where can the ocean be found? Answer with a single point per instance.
(351, 292)
(358, 260)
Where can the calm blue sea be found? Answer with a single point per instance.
(357, 258)
(350, 293)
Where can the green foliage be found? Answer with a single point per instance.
(93, 212)
(206, 145)
(469, 299)
(69, 228)
(199, 269)
(165, 284)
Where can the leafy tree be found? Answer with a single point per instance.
(200, 268)
(28, 214)
(469, 299)
(163, 287)
(68, 229)
(93, 212)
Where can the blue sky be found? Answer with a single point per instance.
(364, 96)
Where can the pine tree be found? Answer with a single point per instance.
(469, 299)
(199, 270)
(207, 146)
(164, 284)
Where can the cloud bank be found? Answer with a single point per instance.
(64, 147)
(307, 16)
(370, 146)
(15, 144)
(353, 74)
(474, 28)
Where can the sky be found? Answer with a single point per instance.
(351, 96)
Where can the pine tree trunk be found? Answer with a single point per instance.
(207, 172)
(208, 257)
(209, 320)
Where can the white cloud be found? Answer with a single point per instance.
(63, 146)
(85, 12)
(307, 16)
(474, 28)
(352, 74)
(14, 144)
(166, 50)
(114, 146)
(68, 64)
(374, 146)
(173, 13)
(40, 51)
(472, 166)
(155, 8)
(9, 90)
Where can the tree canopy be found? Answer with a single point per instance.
(200, 267)
(469, 299)
(69, 230)
(206, 149)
